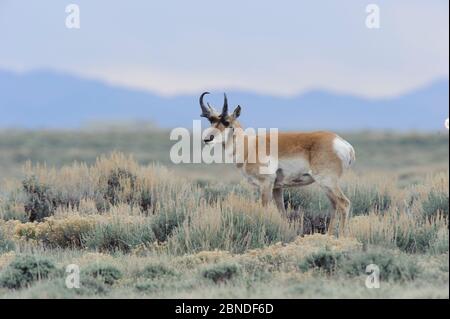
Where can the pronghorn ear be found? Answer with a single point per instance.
(237, 112)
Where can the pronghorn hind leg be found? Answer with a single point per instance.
(279, 200)
(333, 202)
(340, 204)
(266, 190)
(344, 210)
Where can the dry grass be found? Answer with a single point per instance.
(87, 200)
(118, 212)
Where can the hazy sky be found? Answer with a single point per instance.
(176, 47)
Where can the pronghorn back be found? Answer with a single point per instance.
(322, 150)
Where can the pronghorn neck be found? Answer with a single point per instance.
(230, 146)
(233, 148)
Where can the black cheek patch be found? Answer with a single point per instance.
(225, 122)
(214, 120)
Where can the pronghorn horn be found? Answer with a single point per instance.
(205, 112)
(211, 109)
(225, 105)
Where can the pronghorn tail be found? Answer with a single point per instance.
(345, 151)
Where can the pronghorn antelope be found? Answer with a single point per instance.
(303, 158)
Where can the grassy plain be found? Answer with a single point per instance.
(140, 227)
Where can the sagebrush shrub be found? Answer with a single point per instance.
(105, 273)
(166, 221)
(366, 199)
(214, 192)
(326, 261)
(115, 185)
(111, 181)
(403, 229)
(89, 286)
(40, 201)
(436, 203)
(119, 234)
(12, 205)
(156, 270)
(312, 208)
(232, 228)
(148, 286)
(222, 272)
(312, 200)
(306, 200)
(122, 186)
(416, 240)
(146, 200)
(5, 243)
(25, 270)
(396, 267)
(99, 232)
(65, 232)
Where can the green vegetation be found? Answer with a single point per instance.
(24, 270)
(325, 261)
(107, 274)
(221, 273)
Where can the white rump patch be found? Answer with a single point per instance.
(344, 151)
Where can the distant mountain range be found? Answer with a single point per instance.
(46, 99)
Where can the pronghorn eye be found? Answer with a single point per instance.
(226, 123)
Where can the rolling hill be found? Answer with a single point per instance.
(47, 99)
